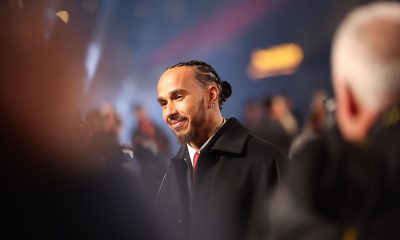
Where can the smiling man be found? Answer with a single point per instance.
(220, 175)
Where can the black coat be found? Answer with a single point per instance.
(333, 188)
(234, 173)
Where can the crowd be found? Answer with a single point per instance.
(68, 177)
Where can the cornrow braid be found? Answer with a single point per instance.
(206, 74)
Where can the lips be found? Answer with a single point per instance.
(177, 124)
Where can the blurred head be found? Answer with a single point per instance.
(112, 122)
(277, 106)
(252, 112)
(144, 122)
(318, 100)
(191, 95)
(317, 111)
(365, 66)
(95, 122)
(140, 113)
(109, 116)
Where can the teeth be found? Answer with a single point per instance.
(175, 122)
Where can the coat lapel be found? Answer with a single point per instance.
(183, 171)
(231, 138)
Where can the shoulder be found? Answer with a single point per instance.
(316, 147)
(256, 146)
(263, 158)
(253, 148)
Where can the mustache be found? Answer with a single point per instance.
(176, 117)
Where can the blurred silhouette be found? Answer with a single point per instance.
(103, 143)
(152, 149)
(112, 121)
(344, 184)
(278, 125)
(51, 187)
(318, 120)
(253, 111)
(317, 113)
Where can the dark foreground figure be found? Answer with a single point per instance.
(344, 183)
(51, 186)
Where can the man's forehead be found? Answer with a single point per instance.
(179, 77)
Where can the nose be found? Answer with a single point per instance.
(170, 111)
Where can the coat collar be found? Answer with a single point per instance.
(182, 153)
(230, 138)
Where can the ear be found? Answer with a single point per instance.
(353, 120)
(352, 107)
(213, 93)
(345, 106)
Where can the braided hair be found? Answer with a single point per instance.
(205, 75)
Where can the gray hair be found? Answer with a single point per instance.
(366, 54)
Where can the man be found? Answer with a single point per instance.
(214, 185)
(344, 184)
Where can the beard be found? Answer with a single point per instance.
(185, 138)
(196, 129)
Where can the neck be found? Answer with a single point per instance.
(215, 124)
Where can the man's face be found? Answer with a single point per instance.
(183, 104)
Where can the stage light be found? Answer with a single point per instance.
(63, 15)
(277, 60)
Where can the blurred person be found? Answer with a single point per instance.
(50, 188)
(94, 121)
(278, 125)
(280, 109)
(317, 113)
(345, 183)
(213, 186)
(152, 149)
(316, 122)
(148, 134)
(112, 122)
(252, 114)
(103, 143)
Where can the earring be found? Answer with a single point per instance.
(212, 105)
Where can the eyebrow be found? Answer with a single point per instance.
(174, 92)
(178, 91)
